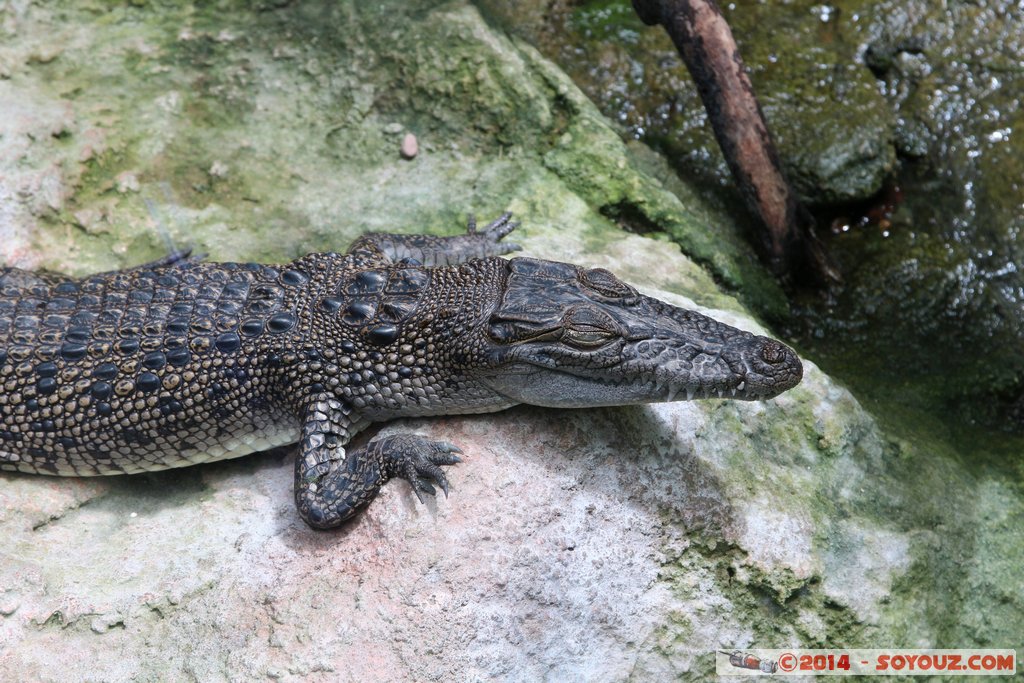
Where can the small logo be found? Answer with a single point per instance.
(745, 660)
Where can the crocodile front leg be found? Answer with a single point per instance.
(431, 250)
(331, 484)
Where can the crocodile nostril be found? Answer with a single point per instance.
(773, 352)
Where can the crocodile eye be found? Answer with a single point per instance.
(587, 339)
(606, 284)
(588, 328)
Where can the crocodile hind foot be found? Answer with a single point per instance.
(332, 485)
(431, 250)
(176, 257)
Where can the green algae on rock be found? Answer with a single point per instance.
(608, 543)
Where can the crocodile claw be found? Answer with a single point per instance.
(418, 460)
(175, 257)
(495, 231)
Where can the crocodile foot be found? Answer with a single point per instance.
(493, 233)
(417, 460)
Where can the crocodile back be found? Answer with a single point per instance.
(143, 369)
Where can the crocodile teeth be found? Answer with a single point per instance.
(672, 391)
(719, 393)
(734, 391)
(739, 387)
(689, 394)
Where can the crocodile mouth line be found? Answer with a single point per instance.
(675, 391)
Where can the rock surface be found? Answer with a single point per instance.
(597, 545)
(834, 131)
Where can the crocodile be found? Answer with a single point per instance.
(184, 361)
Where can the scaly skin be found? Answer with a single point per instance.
(181, 362)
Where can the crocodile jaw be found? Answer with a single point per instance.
(539, 386)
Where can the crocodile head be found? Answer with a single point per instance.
(566, 336)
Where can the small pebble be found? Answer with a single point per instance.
(218, 169)
(8, 605)
(127, 182)
(410, 146)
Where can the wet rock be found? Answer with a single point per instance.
(833, 128)
(933, 294)
(598, 544)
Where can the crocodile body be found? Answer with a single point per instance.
(174, 364)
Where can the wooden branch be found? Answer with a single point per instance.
(708, 49)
